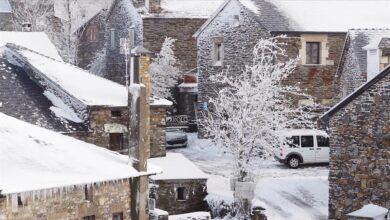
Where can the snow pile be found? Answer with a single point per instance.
(370, 211)
(189, 8)
(303, 14)
(88, 88)
(175, 166)
(191, 216)
(36, 41)
(60, 109)
(33, 158)
(159, 101)
(294, 198)
(5, 6)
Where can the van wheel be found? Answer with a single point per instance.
(293, 162)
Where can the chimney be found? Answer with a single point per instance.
(153, 6)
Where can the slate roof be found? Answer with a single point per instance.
(21, 98)
(5, 6)
(385, 43)
(358, 39)
(355, 94)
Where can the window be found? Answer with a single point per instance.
(236, 21)
(312, 52)
(322, 141)
(91, 217)
(293, 141)
(88, 193)
(92, 32)
(116, 113)
(116, 141)
(20, 202)
(307, 141)
(180, 193)
(217, 53)
(117, 216)
(112, 38)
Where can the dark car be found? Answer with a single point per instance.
(176, 138)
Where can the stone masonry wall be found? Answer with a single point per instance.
(181, 29)
(157, 131)
(237, 41)
(360, 152)
(6, 23)
(166, 196)
(107, 199)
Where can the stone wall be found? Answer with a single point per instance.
(237, 41)
(166, 196)
(360, 140)
(156, 29)
(6, 23)
(107, 199)
(157, 131)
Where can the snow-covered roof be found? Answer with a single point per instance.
(189, 8)
(88, 88)
(188, 85)
(334, 16)
(176, 166)
(33, 158)
(82, 10)
(5, 6)
(292, 132)
(36, 41)
(156, 101)
(369, 211)
(314, 16)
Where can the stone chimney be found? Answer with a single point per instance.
(154, 6)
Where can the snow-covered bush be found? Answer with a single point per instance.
(163, 71)
(251, 107)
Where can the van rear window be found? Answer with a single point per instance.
(293, 141)
(322, 141)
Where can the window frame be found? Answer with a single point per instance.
(310, 52)
(89, 217)
(114, 215)
(92, 33)
(111, 136)
(88, 193)
(181, 193)
(112, 39)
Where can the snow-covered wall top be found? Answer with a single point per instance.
(5, 6)
(33, 158)
(36, 41)
(81, 10)
(189, 8)
(334, 16)
(88, 88)
(175, 166)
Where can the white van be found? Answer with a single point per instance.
(303, 146)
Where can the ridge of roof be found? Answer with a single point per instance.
(356, 93)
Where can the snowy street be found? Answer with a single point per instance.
(287, 193)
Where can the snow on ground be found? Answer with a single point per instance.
(191, 216)
(36, 41)
(288, 193)
(47, 159)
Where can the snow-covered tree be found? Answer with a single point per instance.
(253, 106)
(33, 13)
(163, 71)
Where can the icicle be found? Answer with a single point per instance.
(14, 202)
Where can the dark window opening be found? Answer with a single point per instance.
(307, 141)
(88, 193)
(293, 141)
(312, 52)
(92, 33)
(322, 141)
(181, 193)
(20, 202)
(91, 217)
(117, 216)
(218, 52)
(116, 113)
(116, 141)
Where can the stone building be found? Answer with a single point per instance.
(228, 37)
(50, 176)
(5, 16)
(363, 57)
(181, 188)
(360, 139)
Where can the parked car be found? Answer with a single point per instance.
(176, 138)
(303, 146)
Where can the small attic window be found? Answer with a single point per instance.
(92, 32)
(236, 20)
